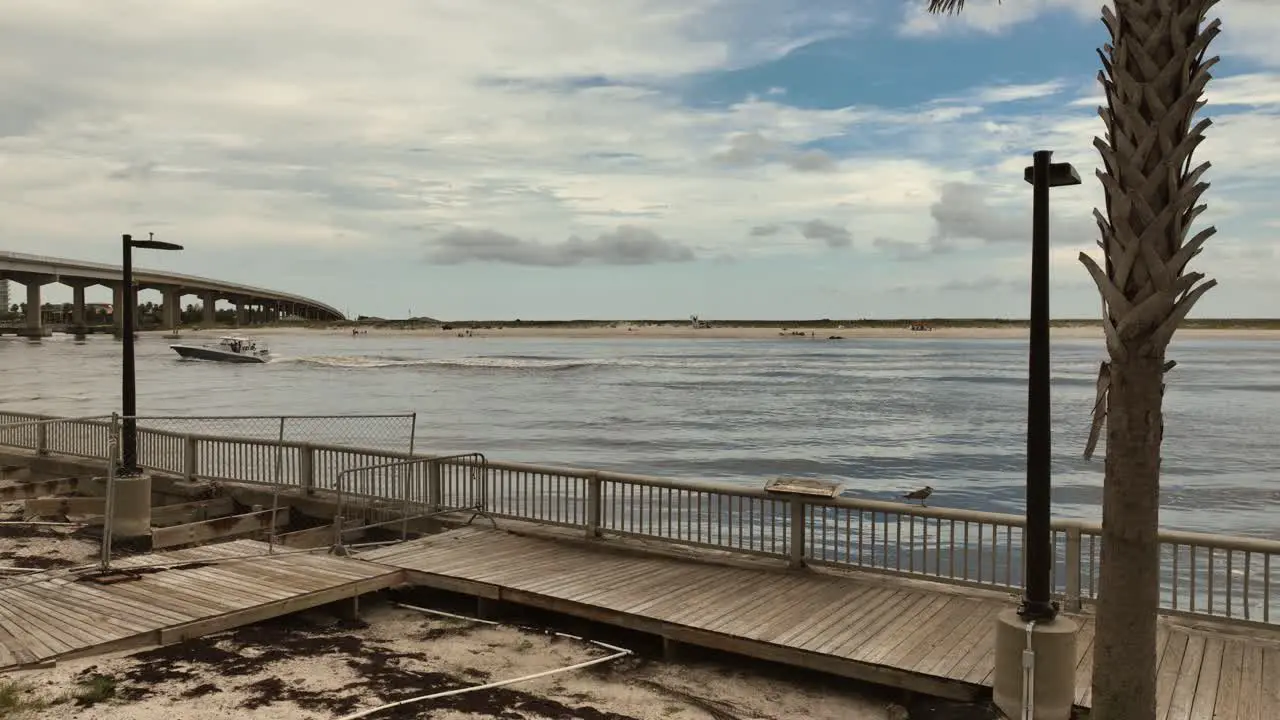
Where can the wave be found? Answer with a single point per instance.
(465, 363)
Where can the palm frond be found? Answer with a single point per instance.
(946, 6)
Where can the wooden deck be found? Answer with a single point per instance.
(223, 586)
(926, 638)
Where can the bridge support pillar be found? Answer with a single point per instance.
(35, 312)
(172, 309)
(78, 324)
(209, 302)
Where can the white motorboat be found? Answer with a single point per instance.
(229, 349)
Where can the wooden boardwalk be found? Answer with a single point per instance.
(934, 639)
(213, 588)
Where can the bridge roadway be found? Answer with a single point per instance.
(252, 304)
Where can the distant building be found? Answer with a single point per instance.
(4, 296)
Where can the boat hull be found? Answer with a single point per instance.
(194, 352)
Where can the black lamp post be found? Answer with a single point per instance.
(128, 387)
(1037, 544)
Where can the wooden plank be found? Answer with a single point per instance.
(1249, 706)
(766, 604)
(838, 609)
(1270, 682)
(894, 633)
(944, 648)
(1207, 684)
(452, 584)
(207, 530)
(173, 601)
(289, 578)
(81, 611)
(846, 644)
(789, 602)
(220, 580)
(553, 572)
(631, 579)
(38, 489)
(927, 634)
(276, 608)
(652, 583)
(1167, 672)
(36, 624)
(709, 578)
(1228, 695)
(880, 602)
(577, 584)
(19, 653)
(29, 626)
(459, 555)
(1084, 664)
(1184, 691)
(40, 507)
(707, 604)
(190, 512)
(796, 614)
(126, 611)
(749, 601)
(980, 649)
(749, 648)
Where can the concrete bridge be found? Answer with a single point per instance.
(253, 304)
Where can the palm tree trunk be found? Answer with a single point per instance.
(1154, 73)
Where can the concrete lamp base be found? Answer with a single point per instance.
(1054, 673)
(132, 512)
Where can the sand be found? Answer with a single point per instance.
(314, 666)
(622, 331)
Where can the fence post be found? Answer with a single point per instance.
(190, 457)
(307, 468)
(1073, 567)
(42, 438)
(796, 546)
(435, 488)
(593, 506)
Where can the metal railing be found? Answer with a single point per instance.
(1202, 574)
(397, 493)
(92, 437)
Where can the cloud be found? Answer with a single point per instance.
(752, 148)
(909, 251)
(833, 235)
(626, 245)
(765, 230)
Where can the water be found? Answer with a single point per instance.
(883, 415)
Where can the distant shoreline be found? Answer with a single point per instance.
(726, 331)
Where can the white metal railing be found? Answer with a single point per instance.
(1202, 574)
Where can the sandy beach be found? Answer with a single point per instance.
(620, 331)
(316, 666)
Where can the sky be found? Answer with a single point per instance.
(558, 159)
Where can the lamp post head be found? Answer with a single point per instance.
(1060, 174)
(155, 245)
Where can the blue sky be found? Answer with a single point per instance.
(575, 159)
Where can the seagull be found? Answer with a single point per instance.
(922, 494)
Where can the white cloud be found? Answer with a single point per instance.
(360, 131)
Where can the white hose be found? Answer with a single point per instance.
(1029, 675)
(618, 652)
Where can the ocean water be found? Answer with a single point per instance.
(884, 416)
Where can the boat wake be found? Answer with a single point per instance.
(526, 364)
